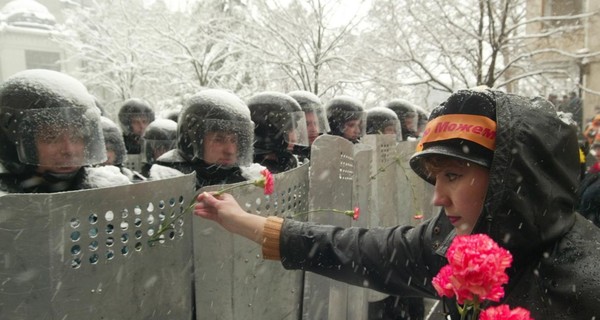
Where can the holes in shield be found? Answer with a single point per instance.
(104, 237)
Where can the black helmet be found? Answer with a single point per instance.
(382, 120)
(113, 139)
(159, 137)
(134, 108)
(407, 114)
(311, 105)
(423, 118)
(280, 122)
(342, 109)
(43, 104)
(211, 111)
(172, 114)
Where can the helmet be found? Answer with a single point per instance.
(214, 111)
(113, 139)
(172, 114)
(316, 120)
(382, 120)
(342, 109)
(407, 114)
(39, 106)
(280, 122)
(134, 108)
(423, 116)
(159, 137)
(99, 106)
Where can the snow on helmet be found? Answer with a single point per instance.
(132, 108)
(42, 106)
(159, 137)
(382, 120)
(215, 111)
(280, 122)
(408, 116)
(113, 139)
(316, 119)
(172, 114)
(423, 117)
(342, 109)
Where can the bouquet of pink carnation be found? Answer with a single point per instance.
(475, 273)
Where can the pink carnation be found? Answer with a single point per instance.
(266, 181)
(356, 213)
(476, 267)
(503, 312)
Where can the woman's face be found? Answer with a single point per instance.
(460, 187)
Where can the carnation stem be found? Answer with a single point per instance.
(220, 192)
(167, 225)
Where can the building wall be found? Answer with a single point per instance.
(592, 65)
(581, 73)
(16, 42)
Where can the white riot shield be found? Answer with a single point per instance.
(363, 164)
(233, 282)
(133, 162)
(415, 192)
(88, 254)
(331, 187)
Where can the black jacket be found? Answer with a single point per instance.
(589, 195)
(133, 143)
(529, 210)
(206, 174)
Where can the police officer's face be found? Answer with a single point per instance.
(59, 151)
(352, 129)
(312, 126)
(292, 139)
(139, 124)
(111, 156)
(220, 148)
(389, 130)
(410, 123)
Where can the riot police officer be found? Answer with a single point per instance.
(50, 133)
(280, 130)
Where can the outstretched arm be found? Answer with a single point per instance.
(225, 210)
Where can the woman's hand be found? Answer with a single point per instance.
(225, 210)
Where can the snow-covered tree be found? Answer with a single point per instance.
(446, 45)
(304, 44)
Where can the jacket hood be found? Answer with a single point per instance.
(533, 177)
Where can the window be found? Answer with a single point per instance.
(42, 60)
(563, 8)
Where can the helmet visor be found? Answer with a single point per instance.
(224, 142)
(316, 122)
(152, 149)
(296, 133)
(60, 137)
(410, 122)
(391, 126)
(353, 124)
